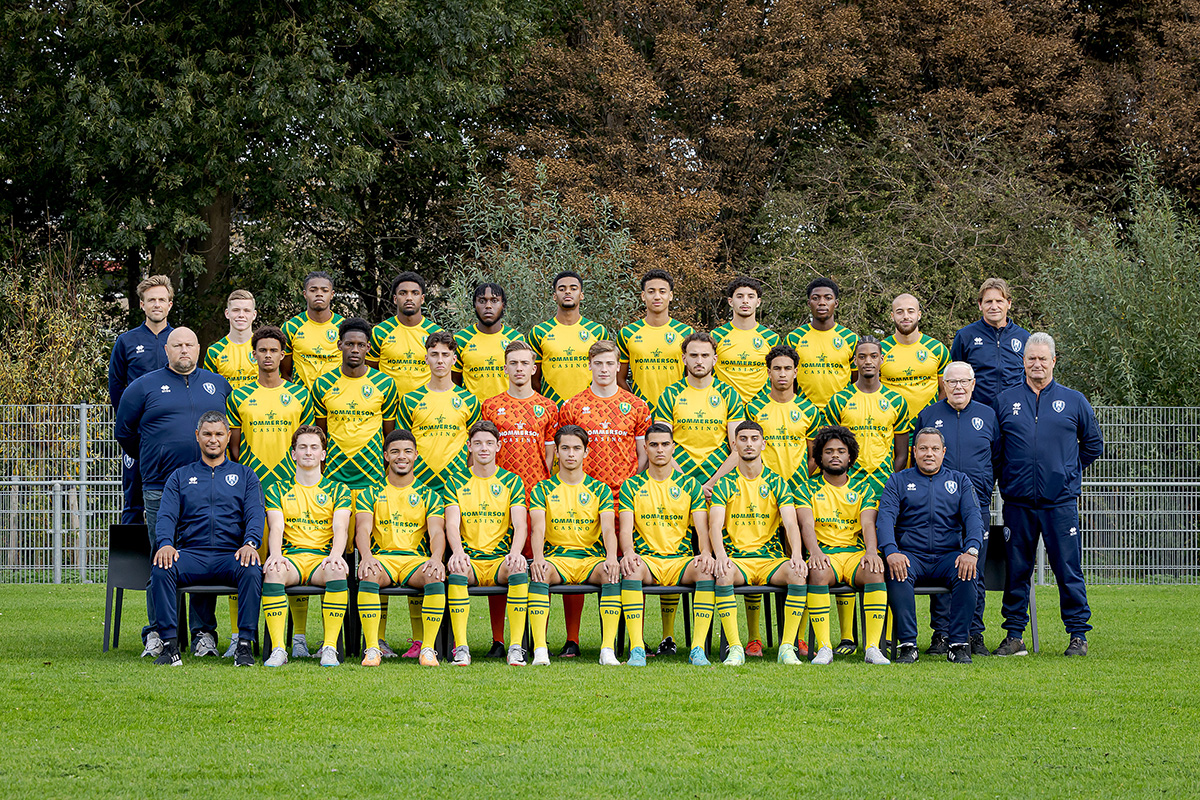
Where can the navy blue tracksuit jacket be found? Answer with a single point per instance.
(136, 352)
(996, 354)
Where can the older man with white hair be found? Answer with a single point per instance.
(1048, 437)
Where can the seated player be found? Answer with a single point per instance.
(837, 522)
(308, 520)
(486, 527)
(664, 523)
(748, 506)
(574, 541)
(400, 533)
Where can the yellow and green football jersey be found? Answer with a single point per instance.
(742, 358)
(355, 410)
(654, 356)
(308, 513)
(787, 429)
(401, 517)
(912, 370)
(699, 420)
(562, 353)
(480, 360)
(400, 351)
(266, 419)
(752, 516)
(486, 506)
(439, 422)
(572, 515)
(837, 511)
(312, 346)
(233, 362)
(875, 419)
(826, 360)
(662, 513)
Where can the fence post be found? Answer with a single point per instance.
(83, 506)
(58, 531)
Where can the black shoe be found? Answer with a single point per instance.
(666, 647)
(170, 655)
(978, 647)
(939, 645)
(959, 653)
(498, 650)
(1078, 647)
(907, 654)
(1011, 646)
(243, 655)
(846, 647)
(570, 650)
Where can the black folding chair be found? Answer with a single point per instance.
(995, 576)
(184, 633)
(128, 568)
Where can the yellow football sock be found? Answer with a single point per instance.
(383, 605)
(298, 608)
(416, 616)
(275, 608)
(702, 611)
(845, 612)
(754, 617)
(369, 612)
(727, 611)
(460, 607)
(518, 602)
(633, 605)
(433, 608)
(875, 607)
(669, 605)
(793, 610)
(233, 625)
(333, 610)
(818, 615)
(539, 612)
(610, 613)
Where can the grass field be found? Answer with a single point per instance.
(1122, 721)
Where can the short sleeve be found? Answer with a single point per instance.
(694, 492)
(434, 507)
(623, 344)
(233, 412)
(644, 419)
(342, 498)
(516, 491)
(365, 502)
(274, 497)
(537, 498)
(309, 415)
(625, 498)
(391, 401)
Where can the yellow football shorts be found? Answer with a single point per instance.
(845, 565)
(575, 570)
(667, 570)
(487, 570)
(305, 563)
(758, 571)
(400, 568)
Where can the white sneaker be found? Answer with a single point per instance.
(154, 645)
(516, 656)
(824, 656)
(875, 656)
(541, 656)
(277, 658)
(232, 648)
(462, 656)
(300, 647)
(608, 658)
(205, 645)
(329, 656)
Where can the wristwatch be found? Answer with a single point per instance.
(972, 551)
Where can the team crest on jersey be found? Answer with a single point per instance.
(331, 335)
(758, 343)
(976, 423)
(585, 498)
(210, 388)
(537, 411)
(1059, 405)
(837, 343)
(231, 479)
(285, 399)
(670, 337)
(951, 486)
(795, 415)
(496, 489)
(583, 336)
(456, 402)
(1016, 345)
(367, 391)
(503, 342)
(714, 401)
(674, 492)
(322, 498)
(253, 360)
(625, 408)
(922, 355)
(883, 403)
(413, 499)
(763, 491)
(851, 497)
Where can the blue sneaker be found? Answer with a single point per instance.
(637, 657)
(698, 658)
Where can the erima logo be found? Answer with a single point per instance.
(951, 486)
(192, 481)
(1059, 405)
(1016, 409)
(210, 388)
(231, 479)
(165, 389)
(937, 423)
(1073, 532)
(139, 349)
(978, 340)
(912, 487)
(977, 423)
(1016, 345)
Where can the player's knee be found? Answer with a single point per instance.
(821, 577)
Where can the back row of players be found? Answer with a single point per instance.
(731, 428)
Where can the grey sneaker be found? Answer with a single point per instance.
(277, 658)
(300, 647)
(232, 651)
(462, 656)
(1011, 646)
(385, 650)
(1078, 647)
(154, 645)
(824, 656)
(874, 655)
(205, 645)
(329, 656)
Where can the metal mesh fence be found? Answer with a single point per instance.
(60, 489)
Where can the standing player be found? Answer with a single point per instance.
(742, 343)
(308, 520)
(479, 367)
(993, 345)
(136, 352)
(748, 507)
(664, 536)
(486, 520)
(400, 533)
(561, 344)
(574, 541)
(650, 356)
(837, 520)
(312, 336)
(233, 356)
(788, 420)
(398, 343)
(826, 348)
(913, 363)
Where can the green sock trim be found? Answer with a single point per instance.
(875, 587)
(369, 587)
(537, 587)
(610, 590)
(518, 579)
(631, 585)
(727, 591)
(273, 590)
(337, 586)
(457, 580)
(435, 588)
(797, 590)
(819, 590)
(706, 586)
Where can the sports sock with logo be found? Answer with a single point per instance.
(539, 612)
(433, 608)
(875, 609)
(515, 605)
(275, 609)
(793, 612)
(460, 606)
(298, 608)
(702, 611)
(668, 605)
(818, 614)
(845, 614)
(727, 611)
(633, 606)
(610, 613)
(754, 617)
(333, 610)
(369, 612)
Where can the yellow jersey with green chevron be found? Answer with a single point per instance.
(662, 513)
(787, 429)
(875, 418)
(266, 419)
(480, 360)
(572, 515)
(826, 361)
(654, 356)
(232, 361)
(400, 517)
(837, 511)
(355, 410)
(562, 353)
(439, 422)
(486, 506)
(912, 370)
(308, 513)
(400, 351)
(699, 420)
(312, 346)
(742, 358)
(752, 516)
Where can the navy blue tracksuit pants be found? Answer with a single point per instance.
(939, 604)
(1058, 526)
(930, 570)
(196, 567)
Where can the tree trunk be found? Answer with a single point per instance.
(214, 249)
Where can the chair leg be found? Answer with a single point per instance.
(116, 632)
(108, 604)
(1033, 614)
(766, 606)
(182, 632)
(620, 643)
(780, 598)
(444, 643)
